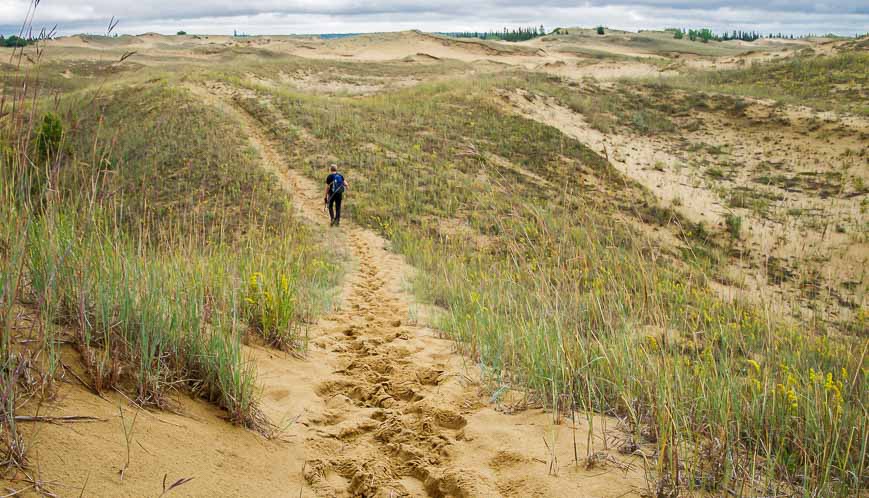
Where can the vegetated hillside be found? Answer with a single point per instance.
(836, 82)
(157, 251)
(171, 161)
(643, 43)
(150, 242)
(525, 238)
(758, 171)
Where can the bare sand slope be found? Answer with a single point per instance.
(412, 46)
(395, 46)
(379, 407)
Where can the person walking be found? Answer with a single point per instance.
(336, 185)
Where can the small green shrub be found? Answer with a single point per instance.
(715, 173)
(649, 122)
(49, 135)
(734, 225)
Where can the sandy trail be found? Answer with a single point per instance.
(399, 413)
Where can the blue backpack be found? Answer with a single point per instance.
(337, 184)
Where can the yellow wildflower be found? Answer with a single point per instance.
(792, 398)
(755, 365)
(828, 383)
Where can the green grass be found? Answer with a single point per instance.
(663, 42)
(648, 42)
(55, 77)
(836, 82)
(177, 166)
(348, 71)
(551, 293)
(159, 249)
(640, 109)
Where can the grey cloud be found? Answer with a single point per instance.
(311, 16)
(802, 6)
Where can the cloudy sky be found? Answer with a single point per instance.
(845, 17)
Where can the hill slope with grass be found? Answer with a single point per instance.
(546, 274)
(552, 286)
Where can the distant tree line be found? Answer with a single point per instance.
(781, 36)
(749, 36)
(706, 35)
(15, 41)
(514, 35)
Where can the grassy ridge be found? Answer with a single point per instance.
(546, 288)
(175, 165)
(648, 42)
(147, 236)
(836, 82)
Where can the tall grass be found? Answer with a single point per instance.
(548, 288)
(133, 236)
(168, 314)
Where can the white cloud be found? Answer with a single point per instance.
(326, 16)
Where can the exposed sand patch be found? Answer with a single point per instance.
(578, 68)
(86, 458)
(340, 84)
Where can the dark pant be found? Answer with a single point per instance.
(335, 207)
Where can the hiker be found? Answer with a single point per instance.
(336, 185)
